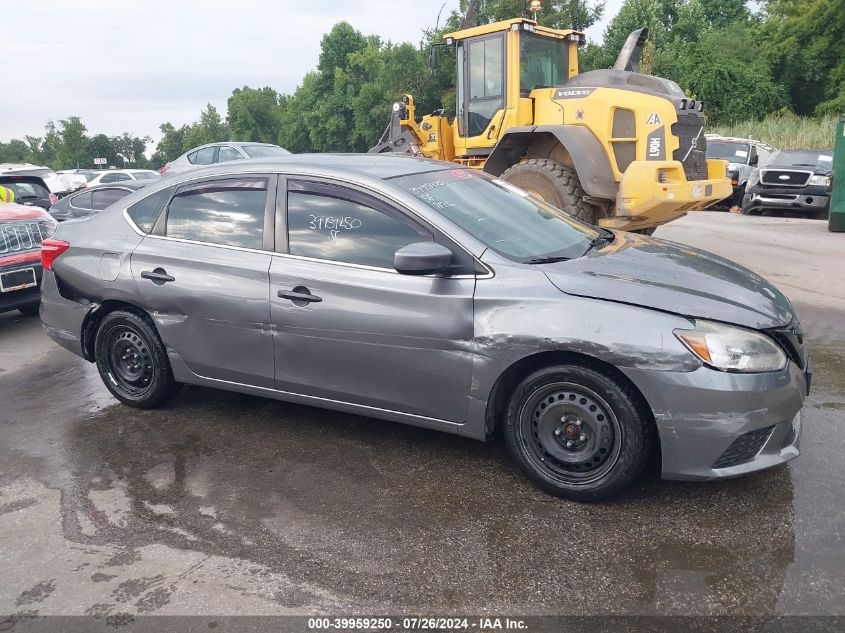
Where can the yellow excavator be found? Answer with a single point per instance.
(614, 147)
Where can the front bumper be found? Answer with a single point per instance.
(644, 201)
(716, 424)
(790, 200)
(24, 297)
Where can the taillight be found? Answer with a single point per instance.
(164, 169)
(53, 198)
(50, 250)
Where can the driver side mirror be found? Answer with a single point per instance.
(754, 160)
(422, 258)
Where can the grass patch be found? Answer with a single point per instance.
(785, 130)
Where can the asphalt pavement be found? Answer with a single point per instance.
(228, 504)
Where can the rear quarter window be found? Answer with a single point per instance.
(145, 212)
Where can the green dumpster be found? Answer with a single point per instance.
(836, 222)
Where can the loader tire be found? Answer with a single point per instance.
(555, 183)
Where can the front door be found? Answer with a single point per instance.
(481, 88)
(348, 327)
(204, 276)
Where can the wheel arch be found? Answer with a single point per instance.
(571, 145)
(94, 317)
(497, 401)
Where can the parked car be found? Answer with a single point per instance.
(22, 231)
(743, 155)
(80, 176)
(213, 153)
(797, 180)
(94, 199)
(58, 184)
(107, 176)
(29, 190)
(430, 294)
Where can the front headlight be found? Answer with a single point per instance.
(824, 181)
(732, 348)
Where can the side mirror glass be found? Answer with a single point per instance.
(754, 160)
(422, 258)
(433, 59)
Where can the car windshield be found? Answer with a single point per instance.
(265, 151)
(731, 152)
(804, 158)
(501, 216)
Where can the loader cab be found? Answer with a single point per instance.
(498, 65)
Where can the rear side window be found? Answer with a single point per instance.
(82, 201)
(204, 156)
(144, 213)
(332, 223)
(106, 197)
(110, 178)
(228, 212)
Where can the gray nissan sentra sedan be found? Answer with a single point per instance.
(429, 294)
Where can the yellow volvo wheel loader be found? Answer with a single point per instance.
(613, 147)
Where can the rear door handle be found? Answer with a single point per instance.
(299, 296)
(157, 275)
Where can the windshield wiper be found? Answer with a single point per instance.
(547, 260)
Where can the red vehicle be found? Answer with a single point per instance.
(22, 229)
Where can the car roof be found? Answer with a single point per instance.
(12, 177)
(736, 139)
(806, 151)
(122, 184)
(232, 143)
(382, 166)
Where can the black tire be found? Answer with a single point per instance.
(556, 407)
(30, 310)
(555, 183)
(132, 360)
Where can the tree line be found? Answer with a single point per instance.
(786, 56)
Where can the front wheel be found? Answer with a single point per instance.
(132, 360)
(577, 432)
(555, 183)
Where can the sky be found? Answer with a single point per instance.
(130, 65)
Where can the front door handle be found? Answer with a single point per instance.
(299, 295)
(158, 276)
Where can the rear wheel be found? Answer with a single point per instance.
(132, 360)
(555, 183)
(577, 432)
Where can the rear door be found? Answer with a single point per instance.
(363, 333)
(203, 273)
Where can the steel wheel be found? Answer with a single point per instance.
(571, 432)
(132, 360)
(129, 361)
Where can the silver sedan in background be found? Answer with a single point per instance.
(434, 295)
(213, 153)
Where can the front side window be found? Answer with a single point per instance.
(543, 62)
(228, 153)
(228, 212)
(103, 198)
(144, 213)
(327, 222)
(111, 178)
(265, 151)
(204, 156)
(499, 215)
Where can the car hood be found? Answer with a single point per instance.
(674, 278)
